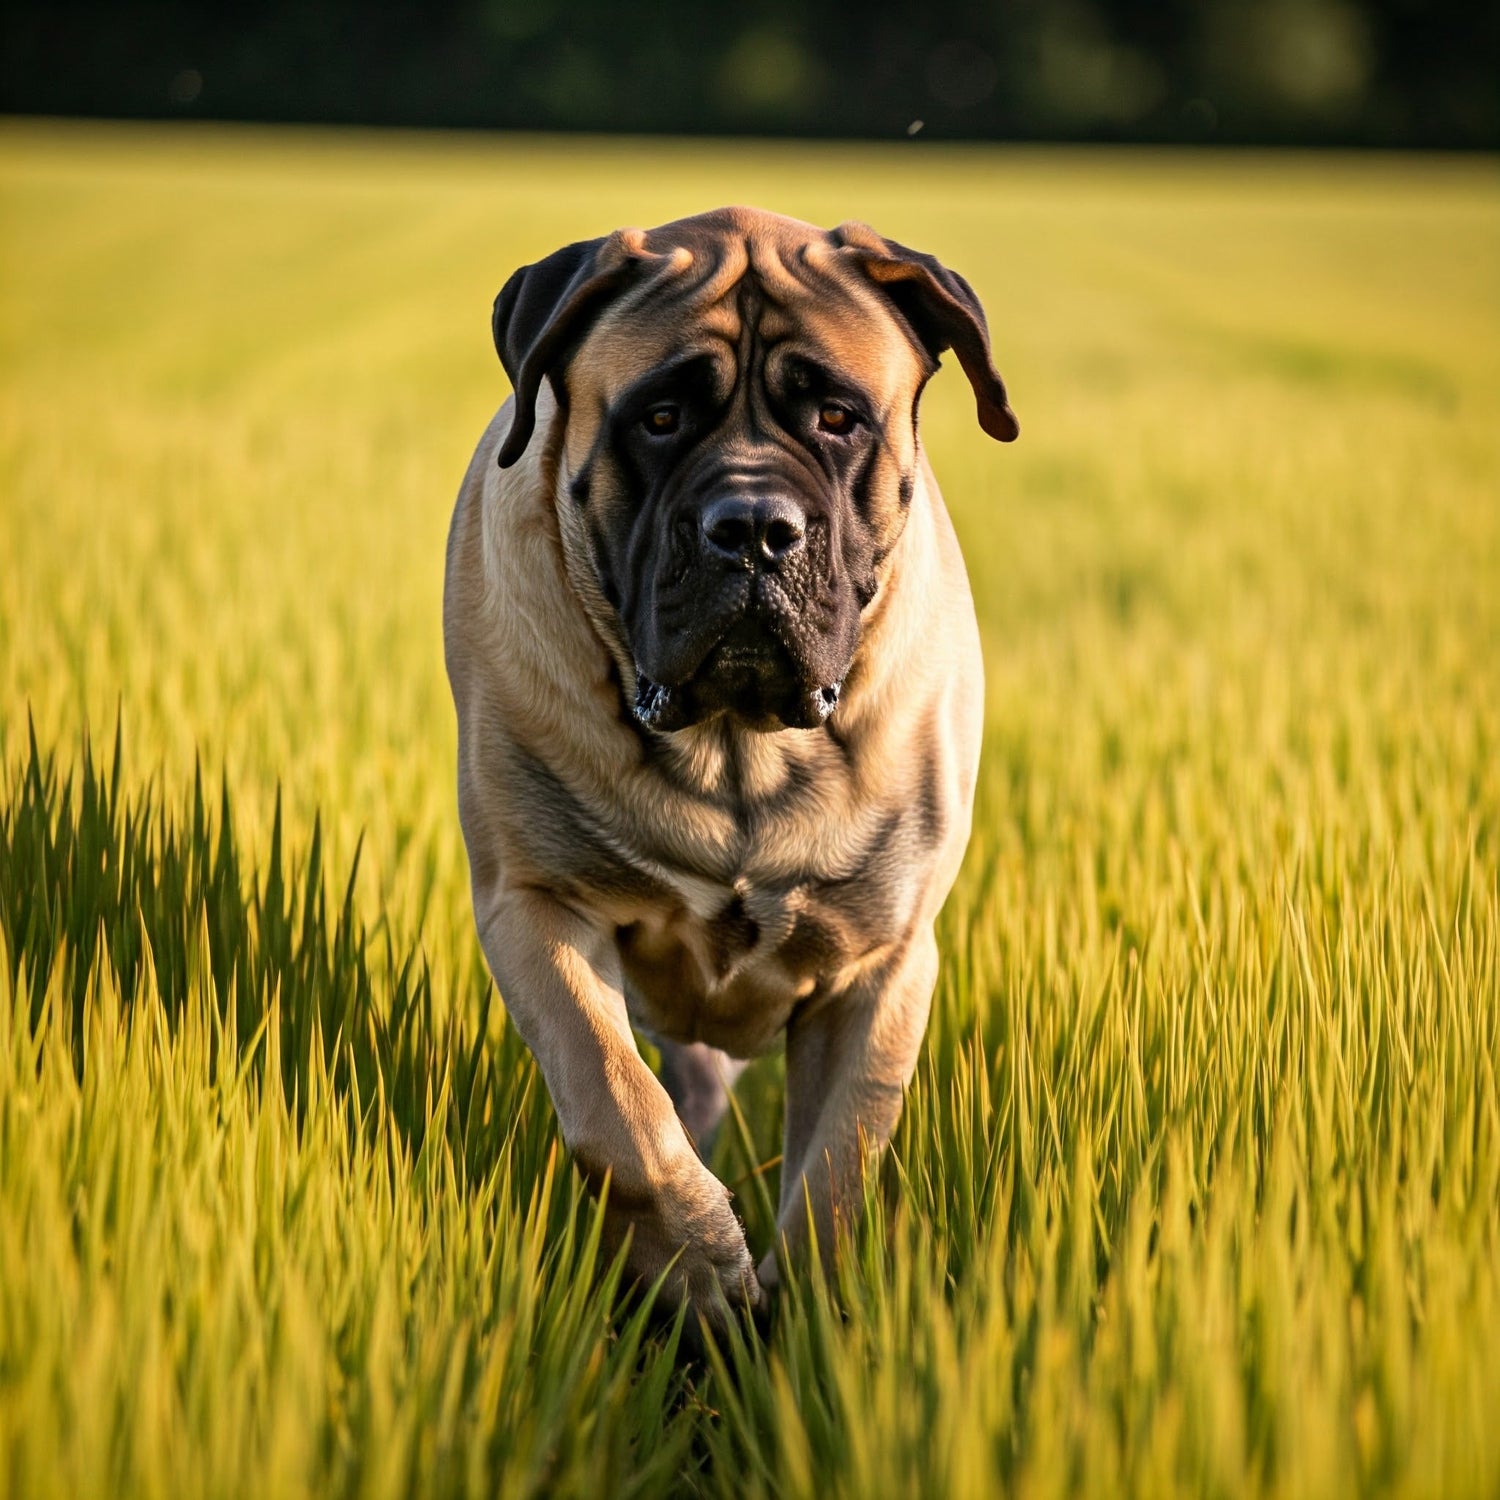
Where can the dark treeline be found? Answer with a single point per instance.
(1379, 72)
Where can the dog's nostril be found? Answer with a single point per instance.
(731, 530)
(782, 535)
(738, 529)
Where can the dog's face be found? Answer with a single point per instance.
(740, 395)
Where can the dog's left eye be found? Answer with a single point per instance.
(835, 418)
(662, 421)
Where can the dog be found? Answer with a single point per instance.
(719, 695)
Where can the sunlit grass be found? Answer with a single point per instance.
(1198, 1188)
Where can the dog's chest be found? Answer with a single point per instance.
(728, 930)
(718, 967)
(727, 964)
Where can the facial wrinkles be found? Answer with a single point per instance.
(761, 447)
(738, 290)
(633, 334)
(724, 266)
(818, 471)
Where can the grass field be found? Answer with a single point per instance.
(1198, 1188)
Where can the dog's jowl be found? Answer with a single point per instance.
(719, 698)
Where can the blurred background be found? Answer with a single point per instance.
(1409, 73)
(1199, 1185)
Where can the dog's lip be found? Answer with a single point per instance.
(657, 704)
(746, 643)
(653, 702)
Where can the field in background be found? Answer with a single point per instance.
(1198, 1189)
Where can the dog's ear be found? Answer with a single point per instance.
(942, 311)
(543, 311)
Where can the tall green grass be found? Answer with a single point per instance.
(1198, 1185)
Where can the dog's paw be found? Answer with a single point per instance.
(687, 1234)
(717, 1287)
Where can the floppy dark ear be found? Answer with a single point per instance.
(545, 308)
(943, 312)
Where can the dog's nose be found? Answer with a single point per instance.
(748, 532)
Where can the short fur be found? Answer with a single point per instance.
(715, 878)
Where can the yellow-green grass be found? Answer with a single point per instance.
(1198, 1188)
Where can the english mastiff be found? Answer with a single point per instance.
(719, 695)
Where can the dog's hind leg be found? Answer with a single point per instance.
(698, 1078)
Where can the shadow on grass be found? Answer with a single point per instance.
(90, 872)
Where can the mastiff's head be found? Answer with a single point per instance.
(738, 394)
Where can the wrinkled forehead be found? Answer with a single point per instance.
(795, 297)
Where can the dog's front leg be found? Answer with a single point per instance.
(847, 1065)
(559, 976)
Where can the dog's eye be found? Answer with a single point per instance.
(662, 421)
(835, 418)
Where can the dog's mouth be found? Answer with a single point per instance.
(667, 709)
(748, 673)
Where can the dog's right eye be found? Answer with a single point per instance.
(663, 421)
